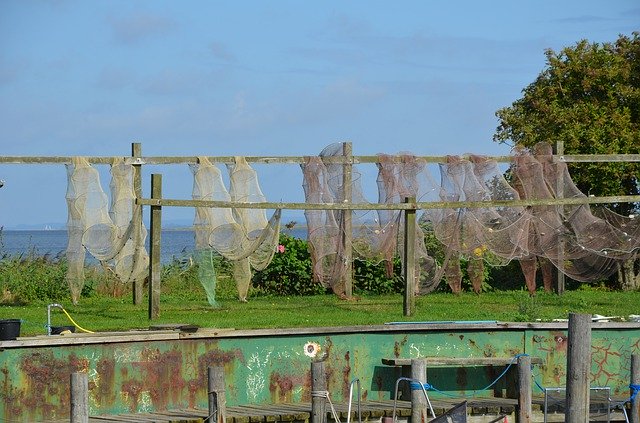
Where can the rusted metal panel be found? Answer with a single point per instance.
(156, 375)
(611, 352)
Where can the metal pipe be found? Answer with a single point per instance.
(395, 397)
(357, 381)
(49, 316)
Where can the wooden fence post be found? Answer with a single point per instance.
(578, 368)
(418, 401)
(217, 395)
(559, 195)
(155, 266)
(524, 389)
(136, 152)
(409, 265)
(79, 412)
(318, 392)
(347, 190)
(635, 380)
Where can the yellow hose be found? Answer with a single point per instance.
(74, 323)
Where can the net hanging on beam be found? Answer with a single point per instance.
(586, 245)
(325, 180)
(582, 245)
(106, 229)
(405, 176)
(242, 235)
(377, 236)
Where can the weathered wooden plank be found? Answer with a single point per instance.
(155, 242)
(478, 408)
(171, 160)
(285, 412)
(136, 152)
(158, 202)
(145, 335)
(578, 367)
(161, 417)
(262, 411)
(131, 418)
(90, 338)
(408, 266)
(300, 411)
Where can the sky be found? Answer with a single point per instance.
(258, 78)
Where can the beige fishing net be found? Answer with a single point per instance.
(587, 243)
(375, 235)
(586, 246)
(242, 235)
(104, 228)
(582, 245)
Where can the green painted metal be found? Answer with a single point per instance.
(271, 367)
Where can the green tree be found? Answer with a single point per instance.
(588, 97)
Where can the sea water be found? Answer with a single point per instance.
(175, 243)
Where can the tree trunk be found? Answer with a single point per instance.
(629, 280)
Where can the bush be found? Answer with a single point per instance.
(24, 279)
(371, 277)
(289, 273)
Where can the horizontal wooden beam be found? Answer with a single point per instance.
(390, 206)
(297, 160)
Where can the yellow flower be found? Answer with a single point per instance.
(479, 251)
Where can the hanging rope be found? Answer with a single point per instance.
(325, 395)
(416, 386)
(635, 389)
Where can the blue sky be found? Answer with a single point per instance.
(264, 78)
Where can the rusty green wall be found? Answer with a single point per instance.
(158, 375)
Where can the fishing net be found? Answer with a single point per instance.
(580, 244)
(587, 243)
(375, 235)
(106, 229)
(327, 180)
(242, 235)
(400, 177)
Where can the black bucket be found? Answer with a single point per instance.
(9, 329)
(57, 330)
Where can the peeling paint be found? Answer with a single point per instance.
(156, 375)
(346, 376)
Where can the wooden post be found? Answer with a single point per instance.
(347, 190)
(79, 398)
(524, 389)
(578, 368)
(409, 265)
(418, 401)
(155, 267)
(136, 152)
(217, 395)
(318, 390)
(635, 380)
(559, 195)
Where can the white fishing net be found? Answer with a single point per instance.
(242, 235)
(106, 229)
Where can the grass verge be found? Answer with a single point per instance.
(119, 314)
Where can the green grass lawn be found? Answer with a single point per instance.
(102, 313)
